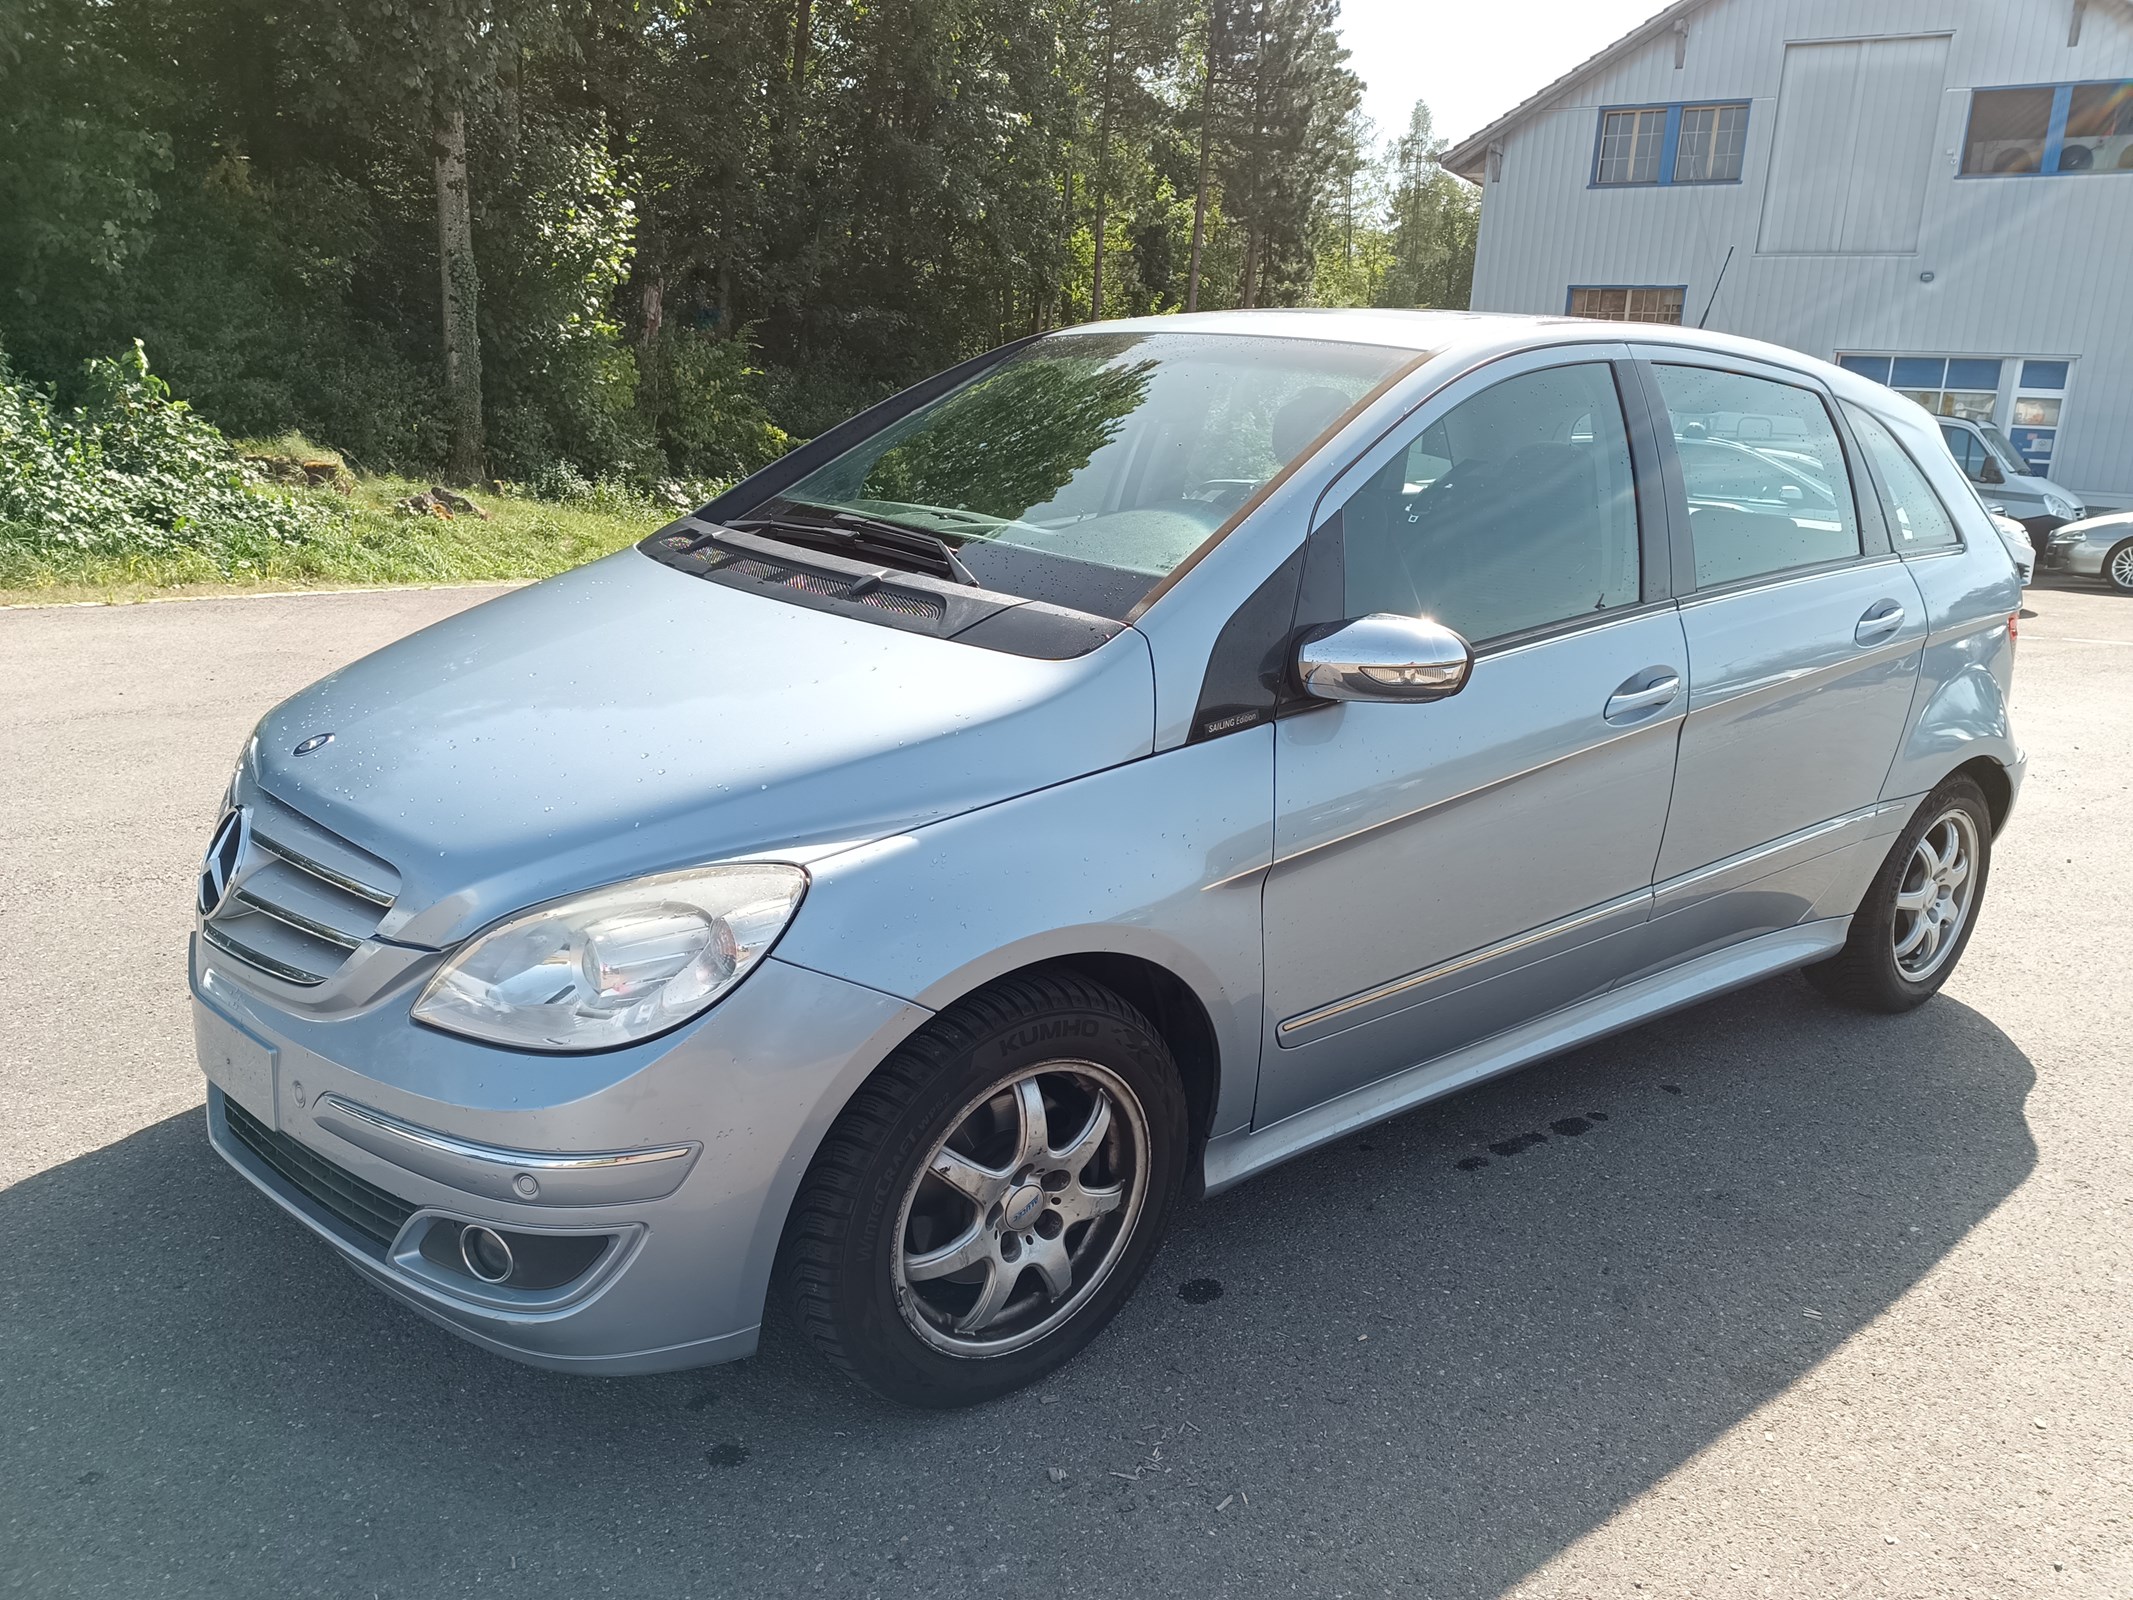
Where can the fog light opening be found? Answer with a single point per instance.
(485, 1253)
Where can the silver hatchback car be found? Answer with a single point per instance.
(1115, 766)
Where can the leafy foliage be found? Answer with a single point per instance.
(131, 470)
(698, 231)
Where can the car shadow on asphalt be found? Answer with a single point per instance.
(1424, 1360)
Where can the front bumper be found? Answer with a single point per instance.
(660, 1175)
(2082, 557)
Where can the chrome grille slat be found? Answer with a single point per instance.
(319, 870)
(296, 920)
(290, 914)
(215, 935)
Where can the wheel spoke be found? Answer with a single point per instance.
(992, 1299)
(1049, 1258)
(1932, 942)
(1910, 941)
(1085, 1144)
(1918, 899)
(1076, 1204)
(981, 1186)
(1035, 1132)
(1956, 871)
(968, 1249)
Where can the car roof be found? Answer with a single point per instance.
(1457, 333)
(1459, 338)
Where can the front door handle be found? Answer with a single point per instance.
(1637, 697)
(1883, 619)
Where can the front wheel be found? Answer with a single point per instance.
(990, 1197)
(2118, 566)
(1918, 913)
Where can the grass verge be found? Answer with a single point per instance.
(362, 543)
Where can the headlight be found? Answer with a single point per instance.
(617, 965)
(2058, 507)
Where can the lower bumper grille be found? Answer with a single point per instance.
(366, 1208)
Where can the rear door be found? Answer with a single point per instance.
(1446, 870)
(1804, 637)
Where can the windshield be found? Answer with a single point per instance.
(2003, 452)
(1083, 469)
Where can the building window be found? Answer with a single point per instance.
(2050, 130)
(1628, 302)
(1962, 387)
(2025, 397)
(1671, 144)
(1630, 142)
(1713, 140)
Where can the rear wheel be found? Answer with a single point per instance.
(2118, 568)
(1918, 913)
(991, 1196)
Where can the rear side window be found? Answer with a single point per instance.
(1765, 473)
(1514, 510)
(1917, 518)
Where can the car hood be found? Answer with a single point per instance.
(628, 718)
(2096, 527)
(2030, 488)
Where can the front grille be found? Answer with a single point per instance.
(373, 1213)
(306, 898)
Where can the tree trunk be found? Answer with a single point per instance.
(803, 33)
(462, 333)
(1250, 297)
(652, 308)
(1103, 180)
(1199, 204)
(1066, 286)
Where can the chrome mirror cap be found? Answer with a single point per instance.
(1387, 658)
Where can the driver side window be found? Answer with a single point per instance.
(1515, 510)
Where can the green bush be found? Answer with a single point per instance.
(132, 472)
(703, 396)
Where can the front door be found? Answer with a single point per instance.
(1804, 639)
(1446, 870)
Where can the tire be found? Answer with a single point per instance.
(2118, 565)
(1870, 973)
(952, 1241)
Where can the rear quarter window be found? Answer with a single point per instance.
(1918, 519)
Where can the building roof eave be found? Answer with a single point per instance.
(1469, 156)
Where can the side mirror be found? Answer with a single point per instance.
(1990, 472)
(1383, 657)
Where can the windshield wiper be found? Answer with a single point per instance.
(847, 533)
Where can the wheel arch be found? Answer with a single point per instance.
(1992, 778)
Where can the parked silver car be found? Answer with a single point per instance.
(2096, 547)
(1120, 764)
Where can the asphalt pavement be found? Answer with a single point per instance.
(1766, 1298)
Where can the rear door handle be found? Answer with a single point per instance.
(1882, 620)
(1634, 699)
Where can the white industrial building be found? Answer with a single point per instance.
(1936, 192)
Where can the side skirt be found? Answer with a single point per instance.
(1233, 1157)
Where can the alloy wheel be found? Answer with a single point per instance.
(1021, 1209)
(2121, 571)
(1934, 897)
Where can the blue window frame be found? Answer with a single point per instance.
(1689, 141)
(1627, 302)
(2049, 130)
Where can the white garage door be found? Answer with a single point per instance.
(1854, 140)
